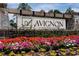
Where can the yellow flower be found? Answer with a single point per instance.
(18, 54)
(71, 49)
(32, 51)
(29, 54)
(42, 50)
(64, 50)
(11, 53)
(77, 50)
(72, 52)
(1, 53)
(41, 54)
(63, 53)
(53, 53)
(74, 47)
(23, 52)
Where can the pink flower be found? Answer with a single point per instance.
(26, 44)
(48, 43)
(1, 45)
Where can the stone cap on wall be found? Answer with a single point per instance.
(39, 13)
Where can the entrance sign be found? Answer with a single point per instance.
(40, 23)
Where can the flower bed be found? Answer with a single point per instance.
(40, 46)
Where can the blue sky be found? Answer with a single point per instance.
(48, 6)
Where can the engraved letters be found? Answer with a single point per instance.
(44, 23)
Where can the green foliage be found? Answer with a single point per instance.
(57, 11)
(47, 48)
(50, 11)
(54, 11)
(24, 6)
(42, 33)
(50, 33)
(69, 10)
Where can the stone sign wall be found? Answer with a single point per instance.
(38, 14)
(40, 23)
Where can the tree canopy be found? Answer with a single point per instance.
(50, 11)
(56, 11)
(69, 10)
(24, 6)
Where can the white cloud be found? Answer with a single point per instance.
(75, 9)
(45, 7)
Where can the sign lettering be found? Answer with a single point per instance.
(37, 23)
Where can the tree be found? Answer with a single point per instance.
(69, 10)
(50, 11)
(57, 11)
(24, 6)
(42, 11)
